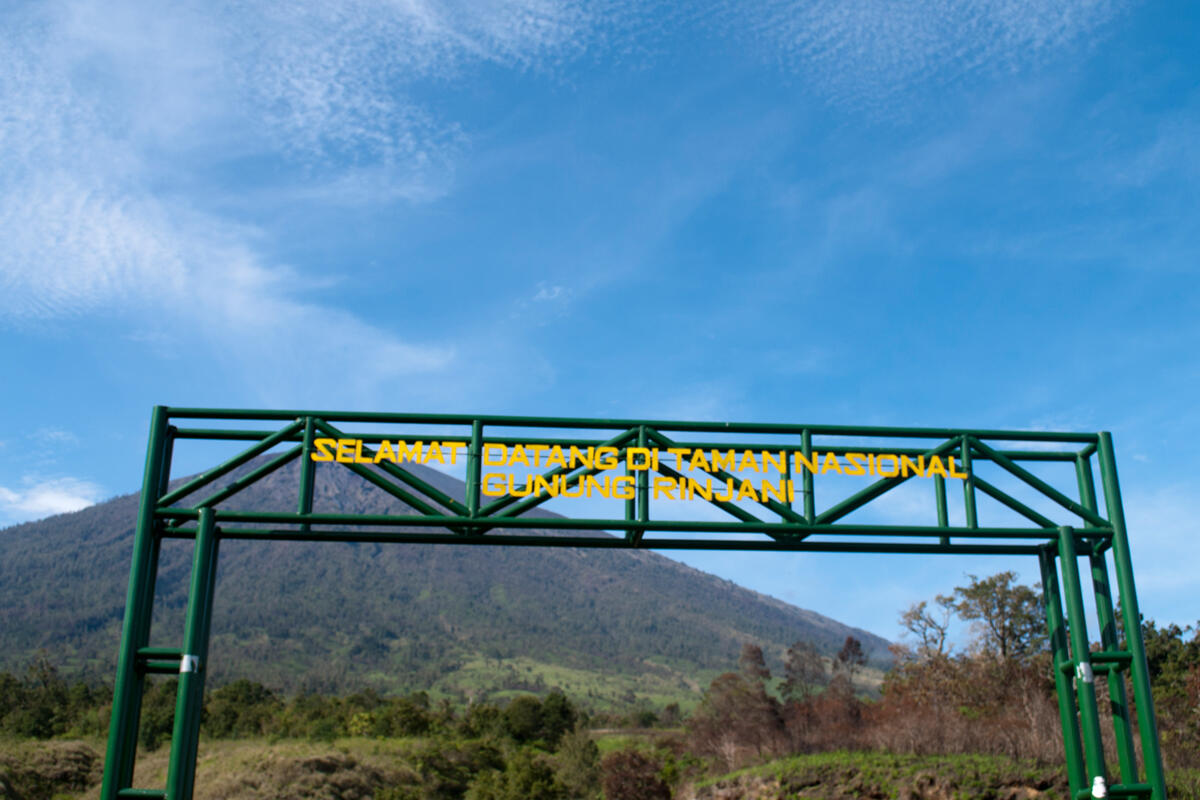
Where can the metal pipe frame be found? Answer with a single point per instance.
(1056, 538)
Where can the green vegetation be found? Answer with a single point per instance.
(398, 748)
(43, 705)
(610, 628)
(440, 767)
(498, 674)
(655, 686)
(1175, 676)
(38, 770)
(788, 723)
(842, 774)
(887, 775)
(949, 726)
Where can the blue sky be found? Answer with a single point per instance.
(947, 213)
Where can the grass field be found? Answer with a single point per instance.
(834, 776)
(348, 768)
(657, 686)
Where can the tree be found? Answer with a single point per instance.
(803, 672)
(242, 708)
(850, 659)
(482, 719)
(1175, 683)
(752, 664)
(578, 761)
(525, 777)
(404, 716)
(37, 707)
(158, 713)
(930, 627)
(523, 718)
(558, 717)
(527, 719)
(1008, 615)
(737, 714)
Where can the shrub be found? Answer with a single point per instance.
(631, 775)
(525, 777)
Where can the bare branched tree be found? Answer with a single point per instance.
(850, 659)
(930, 626)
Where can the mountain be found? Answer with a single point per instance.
(615, 625)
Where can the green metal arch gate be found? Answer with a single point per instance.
(1076, 527)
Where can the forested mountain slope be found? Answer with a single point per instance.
(333, 616)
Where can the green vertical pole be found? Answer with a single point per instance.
(943, 514)
(473, 456)
(139, 600)
(308, 472)
(787, 479)
(630, 502)
(810, 501)
(1117, 698)
(1059, 655)
(643, 489)
(181, 772)
(1087, 484)
(1085, 684)
(164, 477)
(969, 486)
(1139, 673)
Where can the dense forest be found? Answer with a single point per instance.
(992, 698)
(336, 618)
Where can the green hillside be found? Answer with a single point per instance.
(331, 617)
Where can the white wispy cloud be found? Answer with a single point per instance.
(57, 436)
(121, 124)
(114, 113)
(547, 294)
(307, 80)
(869, 52)
(38, 498)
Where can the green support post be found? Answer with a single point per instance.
(308, 473)
(164, 476)
(1117, 698)
(139, 601)
(193, 665)
(1085, 682)
(1139, 673)
(474, 456)
(786, 477)
(1059, 656)
(643, 490)
(943, 513)
(969, 486)
(810, 500)
(630, 502)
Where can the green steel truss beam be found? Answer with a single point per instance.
(779, 508)
(436, 509)
(501, 506)
(1057, 533)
